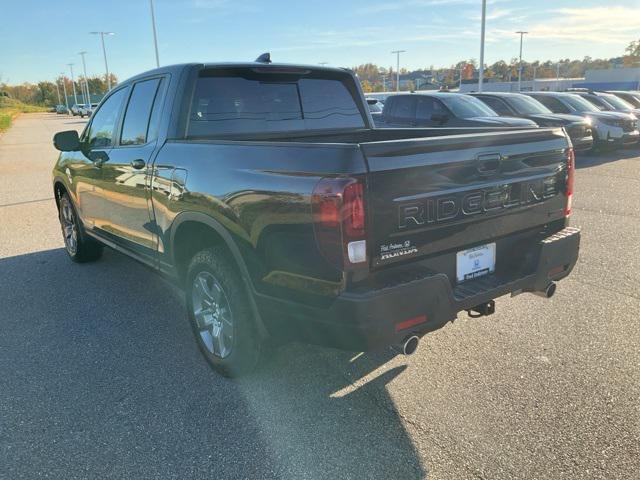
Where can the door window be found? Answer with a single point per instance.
(553, 104)
(425, 108)
(103, 124)
(136, 123)
(496, 105)
(404, 108)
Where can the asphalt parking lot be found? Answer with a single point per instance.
(101, 377)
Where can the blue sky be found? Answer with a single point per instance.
(38, 45)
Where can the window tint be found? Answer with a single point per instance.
(103, 124)
(154, 123)
(466, 106)
(403, 107)
(424, 108)
(553, 104)
(496, 105)
(598, 102)
(136, 118)
(255, 103)
(526, 105)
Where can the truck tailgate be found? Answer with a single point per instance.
(428, 196)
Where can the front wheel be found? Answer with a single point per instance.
(221, 318)
(78, 246)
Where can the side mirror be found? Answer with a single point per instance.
(67, 141)
(439, 117)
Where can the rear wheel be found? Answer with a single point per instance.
(220, 314)
(79, 247)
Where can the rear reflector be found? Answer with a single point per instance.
(357, 251)
(571, 170)
(412, 322)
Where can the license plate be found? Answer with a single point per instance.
(476, 262)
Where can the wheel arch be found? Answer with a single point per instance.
(59, 189)
(208, 232)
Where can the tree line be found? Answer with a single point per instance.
(45, 93)
(377, 79)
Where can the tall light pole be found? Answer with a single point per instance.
(58, 92)
(73, 84)
(86, 80)
(64, 89)
(484, 21)
(104, 52)
(398, 52)
(155, 35)
(522, 34)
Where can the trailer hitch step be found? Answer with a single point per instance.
(482, 310)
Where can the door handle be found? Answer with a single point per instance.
(138, 164)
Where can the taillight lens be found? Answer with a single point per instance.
(354, 210)
(339, 220)
(571, 171)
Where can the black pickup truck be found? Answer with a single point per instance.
(264, 191)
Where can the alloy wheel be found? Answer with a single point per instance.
(212, 314)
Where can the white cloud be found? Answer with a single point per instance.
(613, 25)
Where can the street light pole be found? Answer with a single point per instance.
(64, 89)
(522, 34)
(482, 31)
(155, 35)
(73, 84)
(398, 52)
(104, 52)
(58, 92)
(86, 80)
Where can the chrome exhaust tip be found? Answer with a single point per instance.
(548, 291)
(408, 346)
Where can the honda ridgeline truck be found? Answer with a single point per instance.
(265, 192)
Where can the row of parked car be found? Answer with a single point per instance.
(79, 109)
(592, 119)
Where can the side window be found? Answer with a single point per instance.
(496, 105)
(553, 104)
(425, 107)
(136, 119)
(103, 124)
(154, 122)
(598, 102)
(404, 107)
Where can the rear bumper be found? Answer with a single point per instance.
(368, 320)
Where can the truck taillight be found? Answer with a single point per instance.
(571, 171)
(339, 220)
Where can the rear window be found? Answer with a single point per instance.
(246, 102)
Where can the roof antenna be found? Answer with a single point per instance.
(264, 58)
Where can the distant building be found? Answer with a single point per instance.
(612, 79)
(602, 79)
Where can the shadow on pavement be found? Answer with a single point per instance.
(595, 159)
(101, 378)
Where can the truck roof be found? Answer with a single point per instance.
(177, 68)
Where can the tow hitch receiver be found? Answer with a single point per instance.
(482, 310)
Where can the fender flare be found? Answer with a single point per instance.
(230, 244)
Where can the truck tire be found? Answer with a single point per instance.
(220, 314)
(79, 247)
